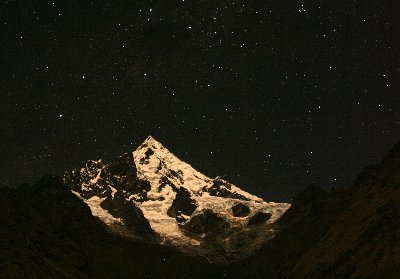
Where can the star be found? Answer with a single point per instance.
(202, 83)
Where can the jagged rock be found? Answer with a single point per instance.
(96, 178)
(165, 181)
(87, 180)
(171, 174)
(133, 217)
(122, 171)
(259, 218)
(182, 204)
(181, 218)
(221, 188)
(240, 210)
(206, 222)
(123, 166)
(148, 153)
(218, 182)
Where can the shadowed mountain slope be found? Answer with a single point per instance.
(348, 233)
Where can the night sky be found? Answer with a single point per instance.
(270, 95)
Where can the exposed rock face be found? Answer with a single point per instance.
(182, 205)
(221, 188)
(87, 180)
(205, 223)
(259, 218)
(122, 172)
(151, 194)
(106, 187)
(133, 217)
(100, 178)
(240, 210)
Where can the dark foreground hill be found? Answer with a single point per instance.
(352, 233)
(47, 232)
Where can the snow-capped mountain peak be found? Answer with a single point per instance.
(162, 169)
(153, 194)
(151, 142)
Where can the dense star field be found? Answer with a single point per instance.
(270, 95)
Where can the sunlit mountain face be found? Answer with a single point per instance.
(150, 193)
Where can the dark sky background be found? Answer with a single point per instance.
(271, 95)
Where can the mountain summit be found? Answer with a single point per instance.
(153, 195)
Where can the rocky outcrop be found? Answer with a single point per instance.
(118, 206)
(182, 206)
(221, 188)
(206, 223)
(122, 172)
(259, 218)
(89, 179)
(240, 210)
(99, 178)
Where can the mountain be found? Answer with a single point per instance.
(346, 233)
(152, 195)
(48, 232)
(120, 219)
